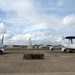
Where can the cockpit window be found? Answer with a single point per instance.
(66, 41)
(69, 41)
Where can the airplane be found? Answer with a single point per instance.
(67, 45)
(1, 45)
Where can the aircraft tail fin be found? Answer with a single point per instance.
(2, 39)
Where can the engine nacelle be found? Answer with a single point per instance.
(51, 48)
(1, 50)
(62, 49)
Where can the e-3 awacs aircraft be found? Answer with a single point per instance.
(67, 45)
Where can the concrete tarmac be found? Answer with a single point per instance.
(54, 63)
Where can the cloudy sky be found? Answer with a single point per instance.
(45, 21)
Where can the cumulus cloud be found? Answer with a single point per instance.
(8, 36)
(60, 3)
(3, 28)
(69, 21)
(24, 17)
(27, 15)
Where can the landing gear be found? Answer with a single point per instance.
(65, 50)
(68, 50)
(1, 52)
